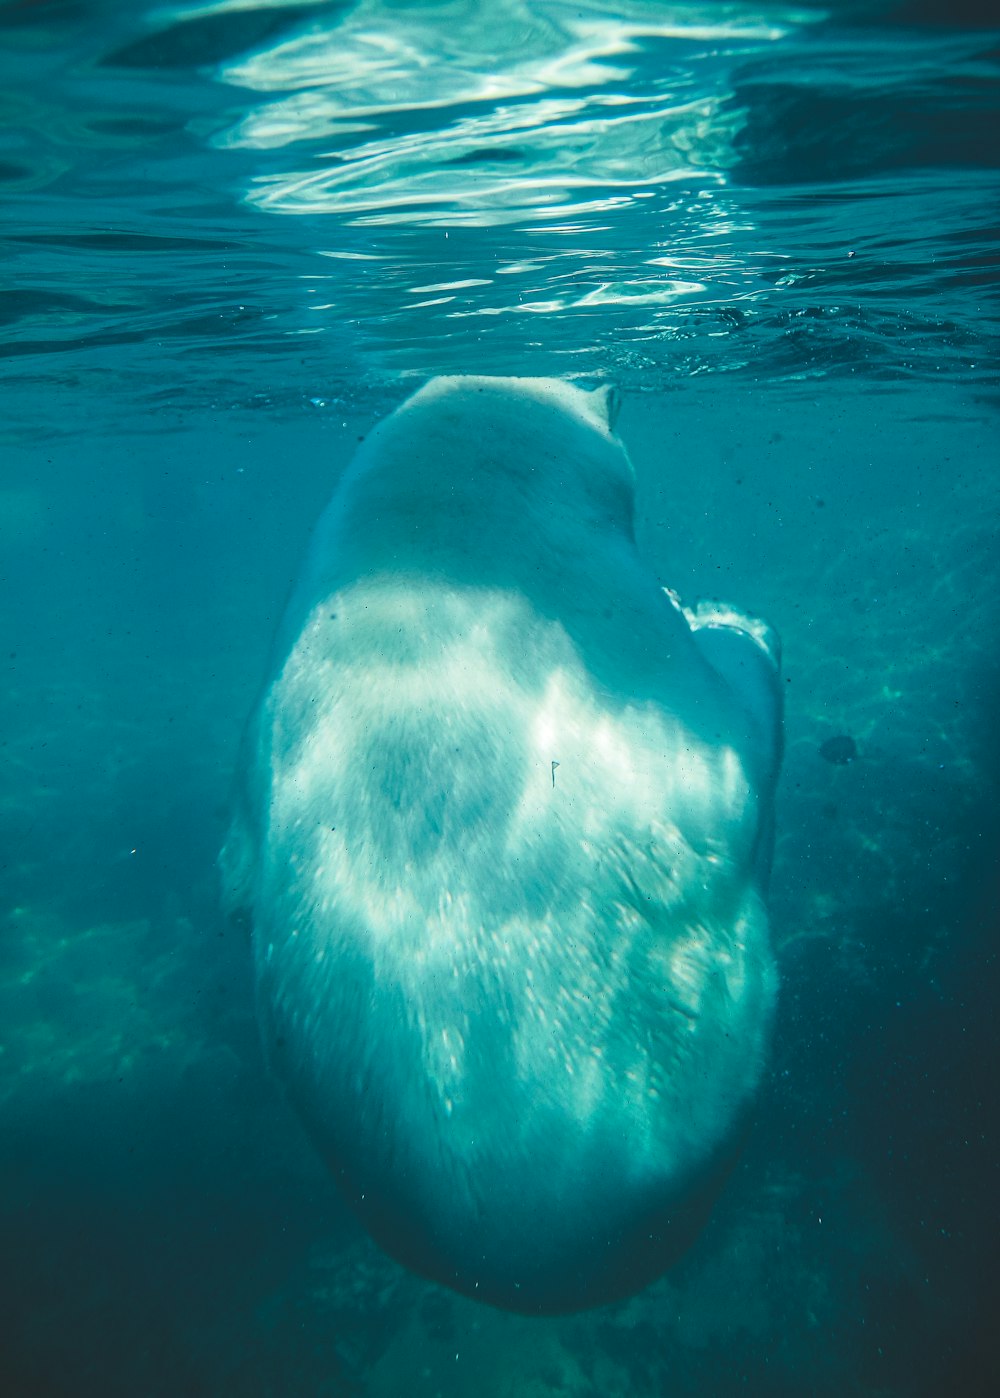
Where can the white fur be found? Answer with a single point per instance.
(522, 1006)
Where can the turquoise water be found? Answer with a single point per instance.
(234, 237)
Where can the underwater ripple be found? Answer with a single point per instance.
(631, 191)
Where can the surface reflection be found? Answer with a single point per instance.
(544, 109)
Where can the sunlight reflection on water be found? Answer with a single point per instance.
(551, 109)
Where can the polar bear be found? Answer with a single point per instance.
(502, 834)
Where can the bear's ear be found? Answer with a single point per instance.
(605, 404)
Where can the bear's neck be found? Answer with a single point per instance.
(545, 546)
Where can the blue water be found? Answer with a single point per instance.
(234, 236)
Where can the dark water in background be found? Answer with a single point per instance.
(233, 237)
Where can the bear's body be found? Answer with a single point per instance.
(504, 817)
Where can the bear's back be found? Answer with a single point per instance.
(497, 842)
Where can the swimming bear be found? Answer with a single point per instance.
(502, 835)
